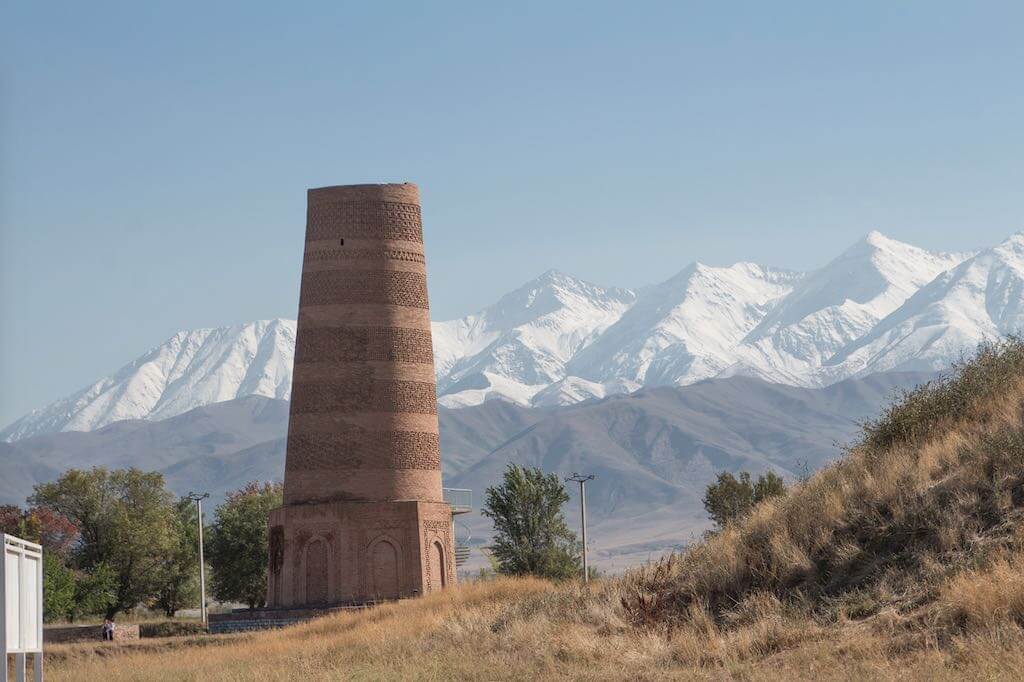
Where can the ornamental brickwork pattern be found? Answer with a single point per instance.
(364, 219)
(355, 344)
(356, 448)
(317, 255)
(438, 531)
(362, 473)
(388, 287)
(360, 393)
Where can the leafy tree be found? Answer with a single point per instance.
(531, 536)
(125, 520)
(58, 588)
(67, 593)
(179, 580)
(729, 498)
(95, 592)
(44, 526)
(238, 544)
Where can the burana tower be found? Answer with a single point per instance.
(363, 516)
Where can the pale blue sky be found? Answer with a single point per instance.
(154, 157)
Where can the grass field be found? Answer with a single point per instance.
(527, 629)
(905, 560)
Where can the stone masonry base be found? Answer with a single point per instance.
(351, 553)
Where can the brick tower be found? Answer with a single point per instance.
(363, 515)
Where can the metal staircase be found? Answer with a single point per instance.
(461, 554)
(461, 502)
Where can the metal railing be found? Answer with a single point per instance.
(462, 537)
(460, 499)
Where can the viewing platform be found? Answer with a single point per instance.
(460, 499)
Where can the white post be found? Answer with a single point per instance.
(202, 565)
(583, 514)
(581, 479)
(202, 562)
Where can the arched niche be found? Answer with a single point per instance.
(384, 559)
(317, 561)
(437, 566)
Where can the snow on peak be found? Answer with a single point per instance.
(190, 369)
(837, 304)
(528, 335)
(557, 339)
(980, 299)
(685, 328)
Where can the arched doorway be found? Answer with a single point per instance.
(437, 573)
(316, 572)
(384, 569)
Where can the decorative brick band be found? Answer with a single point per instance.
(324, 287)
(363, 394)
(364, 219)
(355, 344)
(363, 254)
(356, 448)
(419, 397)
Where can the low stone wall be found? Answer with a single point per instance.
(62, 634)
(244, 620)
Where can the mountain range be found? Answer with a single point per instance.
(881, 305)
(652, 451)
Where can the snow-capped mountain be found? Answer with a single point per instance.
(882, 305)
(685, 329)
(836, 305)
(190, 369)
(521, 344)
(980, 299)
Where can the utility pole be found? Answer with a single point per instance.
(198, 499)
(581, 479)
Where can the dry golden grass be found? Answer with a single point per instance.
(903, 561)
(529, 629)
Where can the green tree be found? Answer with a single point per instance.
(730, 498)
(68, 593)
(125, 520)
(95, 592)
(530, 533)
(238, 544)
(179, 579)
(58, 588)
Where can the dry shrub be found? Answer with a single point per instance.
(984, 599)
(929, 487)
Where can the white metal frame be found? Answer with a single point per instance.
(21, 597)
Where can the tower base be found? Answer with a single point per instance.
(356, 552)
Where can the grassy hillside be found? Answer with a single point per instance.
(905, 559)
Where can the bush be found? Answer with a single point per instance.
(915, 413)
(729, 498)
(171, 628)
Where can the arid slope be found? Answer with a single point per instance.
(905, 559)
